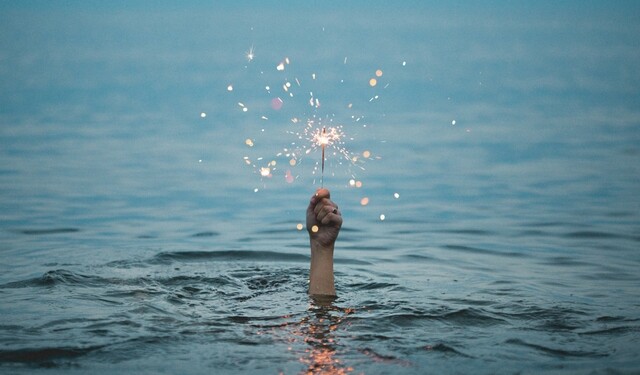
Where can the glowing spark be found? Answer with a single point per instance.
(396, 195)
(378, 73)
(373, 82)
(203, 115)
(299, 226)
(326, 136)
(250, 55)
(382, 217)
(230, 88)
(323, 141)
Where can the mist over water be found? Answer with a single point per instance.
(132, 238)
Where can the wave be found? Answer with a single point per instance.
(555, 352)
(446, 349)
(462, 317)
(69, 278)
(594, 235)
(205, 234)
(44, 357)
(227, 255)
(39, 232)
(477, 250)
(56, 277)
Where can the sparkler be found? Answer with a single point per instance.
(323, 141)
(318, 130)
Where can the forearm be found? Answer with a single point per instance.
(321, 271)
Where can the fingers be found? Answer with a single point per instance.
(326, 211)
(315, 199)
(322, 210)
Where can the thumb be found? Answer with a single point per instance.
(323, 193)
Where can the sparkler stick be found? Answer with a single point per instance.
(324, 142)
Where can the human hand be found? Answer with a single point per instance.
(323, 219)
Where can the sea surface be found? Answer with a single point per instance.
(502, 171)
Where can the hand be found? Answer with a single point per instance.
(324, 215)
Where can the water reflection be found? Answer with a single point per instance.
(318, 330)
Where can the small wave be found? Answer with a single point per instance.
(462, 317)
(593, 235)
(553, 351)
(564, 261)
(39, 232)
(418, 258)
(377, 357)
(228, 255)
(612, 331)
(366, 248)
(54, 277)
(469, 316)
(205, 234)
(472, 232)
(442, 348)
(372, 286)
(476, 250)
(43, 357)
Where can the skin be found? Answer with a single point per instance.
(323, 214)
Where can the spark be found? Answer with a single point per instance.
(265, 172)
(250, 54)
(326, 136)
(323, 141)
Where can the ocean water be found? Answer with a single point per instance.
(505, 158)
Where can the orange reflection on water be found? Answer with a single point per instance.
(317, 330)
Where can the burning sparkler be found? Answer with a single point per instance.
(318, 130)
(323, 139)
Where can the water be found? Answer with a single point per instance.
(132, 239)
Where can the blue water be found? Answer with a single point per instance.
(132, 237)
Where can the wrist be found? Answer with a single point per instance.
(321, 269)
(321, 252)
(319, 245)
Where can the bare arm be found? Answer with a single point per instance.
(323, 224)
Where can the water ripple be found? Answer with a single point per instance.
(40, 232)
(555, 352)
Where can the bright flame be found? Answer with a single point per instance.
(326, 136)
